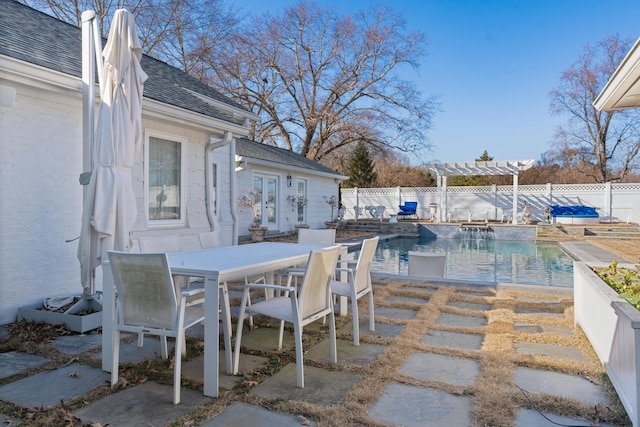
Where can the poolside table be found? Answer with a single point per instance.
(217, 266)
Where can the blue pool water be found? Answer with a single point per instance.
(483, 260)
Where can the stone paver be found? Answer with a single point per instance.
(395, 313)
(348, 354)
(453, 339)
(464, 321)
(470, 305)
(148, 404)
(73, 344)
(410, 406)
(438, 367)
(63, 383)
(550, 350)
(194, 368)
(408, 300)
(539, 381)
(13, 362)
(321, 387)
(383, 330)
(533, 328)
(243, 414)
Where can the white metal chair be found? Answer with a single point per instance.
(358, 284)
(147, 303)
(300, 308)
(307, 236)
(427, 264)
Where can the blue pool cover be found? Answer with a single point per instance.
(581, 211)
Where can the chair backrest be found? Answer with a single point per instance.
(160, 244)
(210, 239)
(409, 206)
(315, 291)
(363, 267)
(146, 293)
(427, 264)
(319, 236)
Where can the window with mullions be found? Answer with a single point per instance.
(165, 179)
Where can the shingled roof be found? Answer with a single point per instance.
(275, 155)
(37, 38)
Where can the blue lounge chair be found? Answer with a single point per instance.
(408, 209)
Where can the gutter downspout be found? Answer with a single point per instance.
(233, 191)
(212, 145)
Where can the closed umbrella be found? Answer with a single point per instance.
(109, 211)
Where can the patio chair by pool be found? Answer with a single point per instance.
(313, 302)
(408, 209)
(427, 264)
(358, 284)
(524, 216)
(147, 304)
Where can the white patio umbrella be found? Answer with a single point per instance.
(109, 211)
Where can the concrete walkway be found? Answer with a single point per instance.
(438, 378)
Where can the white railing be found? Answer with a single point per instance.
(613, 202)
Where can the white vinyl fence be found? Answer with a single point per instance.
(613, 202)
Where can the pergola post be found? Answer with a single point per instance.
(514, 220)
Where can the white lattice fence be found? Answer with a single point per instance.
(615, 202)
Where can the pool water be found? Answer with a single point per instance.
(483, 260)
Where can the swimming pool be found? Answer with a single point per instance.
(483, 260)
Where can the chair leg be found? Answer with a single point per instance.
(163, 347)
(241, 316)
(332, 337)
(226, 327)
(356, 320)
(177, 367)
(281, 335)
(372, 321)
(115, 359)
(297, 331)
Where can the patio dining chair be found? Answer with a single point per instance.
(311, 303)
(147, 303)
(358, 284)
(308, 236)
(427, 264)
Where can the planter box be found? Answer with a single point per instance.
(73, 322)
(612, 325)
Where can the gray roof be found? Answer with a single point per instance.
(286, 158)
(37, 38)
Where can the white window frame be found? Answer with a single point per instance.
(183, 178)
(305, 181)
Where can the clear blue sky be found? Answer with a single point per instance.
(493, 63)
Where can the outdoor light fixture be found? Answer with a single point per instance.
(289, 180)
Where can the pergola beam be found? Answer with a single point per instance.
(485, 168)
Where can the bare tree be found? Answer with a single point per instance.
(321, 81)
(179, 32)
(601, 145)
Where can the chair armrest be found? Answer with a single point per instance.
(189, 292)
(268, 286)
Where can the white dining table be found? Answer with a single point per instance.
(217, 266)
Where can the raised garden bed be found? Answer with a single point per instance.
(612, 325)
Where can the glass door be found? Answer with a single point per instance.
(265, 191)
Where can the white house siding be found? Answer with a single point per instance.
(196, 220)
(41, 199)
(40, 163)
(317, 211)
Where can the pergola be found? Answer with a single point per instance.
(506, 167)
